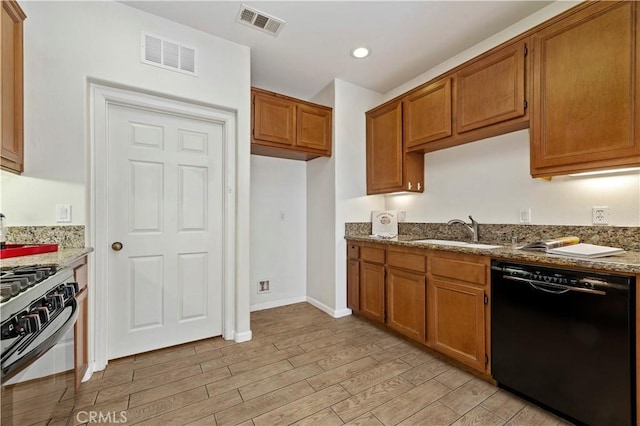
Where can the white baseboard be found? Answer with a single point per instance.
(90, 370)
(342, 313)
(243, 337)
(324, 308)
(277, 303)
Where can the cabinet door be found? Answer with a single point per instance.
(389, 168)
(427, 114)
(11, 83)
(456, 321)
(585, 84)
(406, 303)
(491, 90)
(384, 148)
(274, 119)
(313, 128)
(372, 291)
(353, 284)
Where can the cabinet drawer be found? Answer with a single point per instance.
(353, 251)
(459, 270)
(413, 262)
(370, 254)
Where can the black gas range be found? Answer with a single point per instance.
(37, 308)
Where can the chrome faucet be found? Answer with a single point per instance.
(472, 227)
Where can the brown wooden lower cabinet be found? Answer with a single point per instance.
(433, 297)
(353, 284)
(372, 304)
(80, 328)
(406, 302)
(456, 321)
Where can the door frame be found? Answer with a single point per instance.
(100, 97)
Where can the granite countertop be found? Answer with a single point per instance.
(628, 262)
(61, 258)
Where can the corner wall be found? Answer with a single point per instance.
(278, 244)
(321, 179)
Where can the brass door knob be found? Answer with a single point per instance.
(117, 246)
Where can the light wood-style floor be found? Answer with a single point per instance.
(302, 367)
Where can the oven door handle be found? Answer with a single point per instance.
(23, 359)
(561, 288)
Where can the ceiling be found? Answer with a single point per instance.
(405, 38)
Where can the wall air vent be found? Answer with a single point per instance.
(259, 20)
(168, 54)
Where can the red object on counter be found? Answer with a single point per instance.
(14, 250)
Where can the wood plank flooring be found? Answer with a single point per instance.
(302, 367)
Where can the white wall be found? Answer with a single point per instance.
(490, 179)
(514, 30)
(352, 204)
(68, 43)
(321, 221)
(278, 246)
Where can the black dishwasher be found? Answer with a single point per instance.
(565, 339)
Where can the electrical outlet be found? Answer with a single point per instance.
(263, 286)
(283, 216)
(402, 216)
(525, 215)
(600, 215)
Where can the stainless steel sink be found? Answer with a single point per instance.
(456, 243)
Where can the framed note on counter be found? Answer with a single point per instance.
(384, 223)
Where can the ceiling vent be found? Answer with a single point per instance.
(168, 54)
(259, 20)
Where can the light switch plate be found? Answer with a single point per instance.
(63, 213)
(525, 215)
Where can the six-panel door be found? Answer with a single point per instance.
(166, 205)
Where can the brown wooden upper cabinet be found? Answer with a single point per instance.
(484, 97)
(289, 128)
(389, 167)
(427, 114)
(492, 89)
(586, 80)
(11, 123)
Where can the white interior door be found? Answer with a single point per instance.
(166, 208)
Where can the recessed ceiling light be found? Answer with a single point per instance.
(360, 52)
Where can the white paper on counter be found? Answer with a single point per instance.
(384, 222)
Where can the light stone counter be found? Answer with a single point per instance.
(629, 262)
(61, 258)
